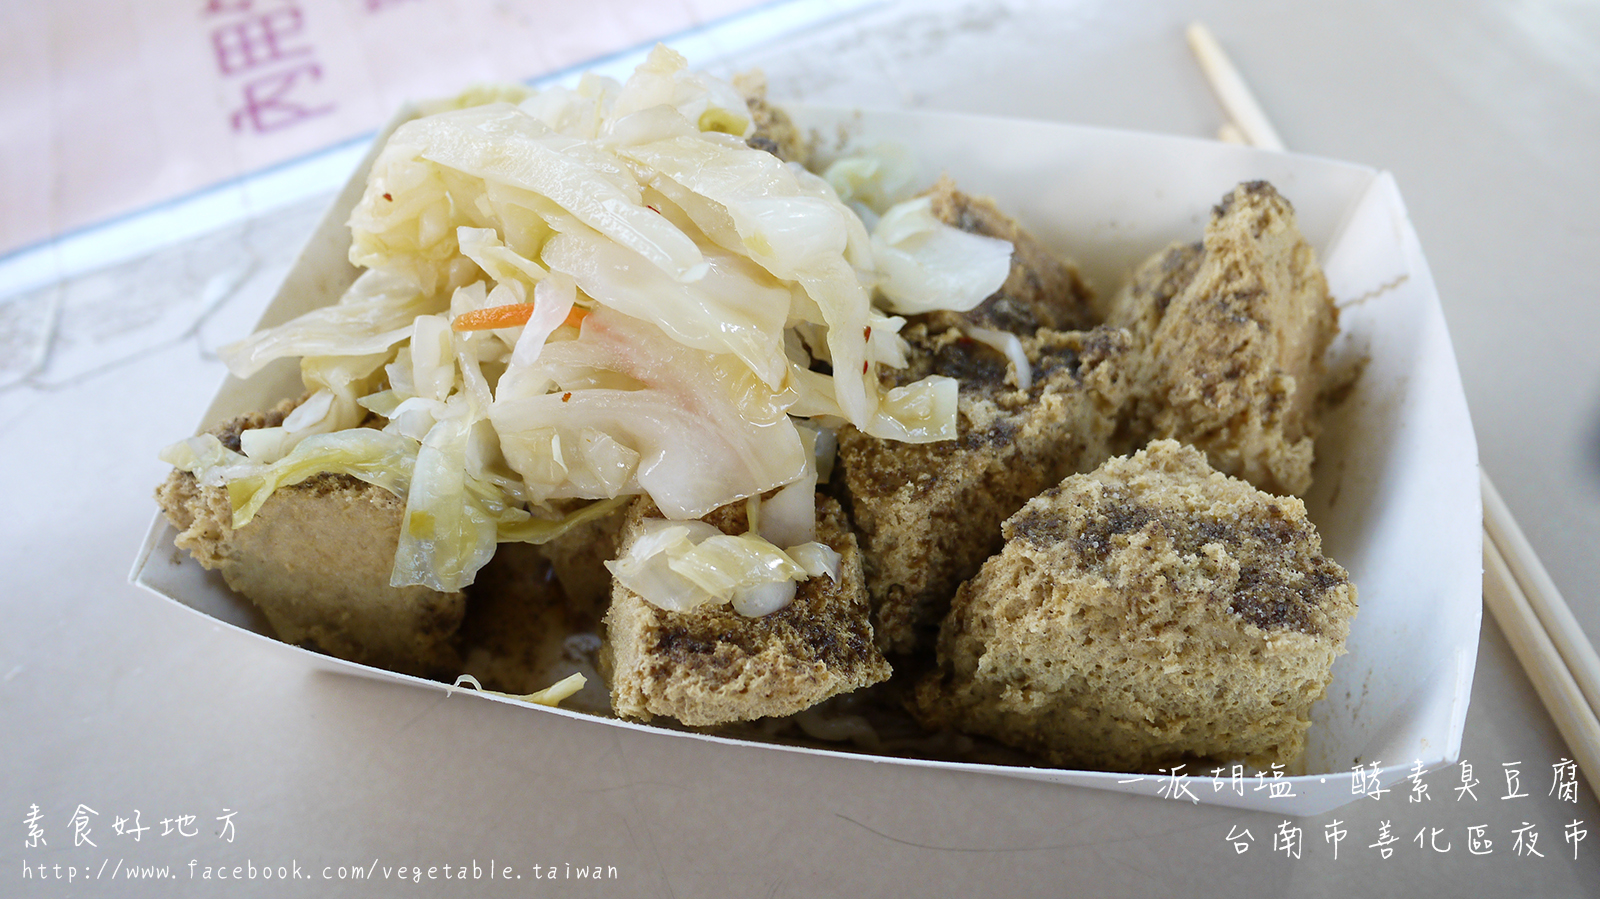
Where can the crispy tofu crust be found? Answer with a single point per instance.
(1042, 290)
(579, 556)
(316, 560)
(1149, 613)
(929, 514)
(774, 132)
(522, 632)
(1232, 335)
(714, 666)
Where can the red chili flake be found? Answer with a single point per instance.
(865, 366)
(565, 397)
(866, 333)
(389, 197)
(652, 209)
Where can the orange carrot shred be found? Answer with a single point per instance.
(508, 316)
(493, 317)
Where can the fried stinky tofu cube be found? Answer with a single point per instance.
(1231, 335)
(929, 514)
(316, 560)
(713, 665)
(1150, 613)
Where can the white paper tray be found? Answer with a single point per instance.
(1396, 496)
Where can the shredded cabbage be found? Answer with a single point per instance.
(383, 460)
(874, 180)
(684, 565)
(550, 696)
(373, 316)
(1009, 345)
(670, 313)
(926, 264)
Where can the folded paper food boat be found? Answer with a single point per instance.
(1396, 498)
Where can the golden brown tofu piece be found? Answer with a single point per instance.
(579, 556)
(713, 665)
(1042, 290)
(1149, 613)
(1232, 335)
(316, 560)
(775, 132)
(522, 632)
(929, 514)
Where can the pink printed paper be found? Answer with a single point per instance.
(112, 106)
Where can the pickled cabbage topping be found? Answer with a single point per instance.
(683, 565)
(599, 292)
(929, 265)
(549, 696)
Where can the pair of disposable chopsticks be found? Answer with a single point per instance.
(1547, 640)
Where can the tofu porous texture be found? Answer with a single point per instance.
(1147, 614)
(712, 665)
(929, 514)
(1233, 333)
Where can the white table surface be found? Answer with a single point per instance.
(1488, 113)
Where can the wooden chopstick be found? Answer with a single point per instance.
(1231, 91)
(1552, 679)
(1547, 639)
(1545, 599)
